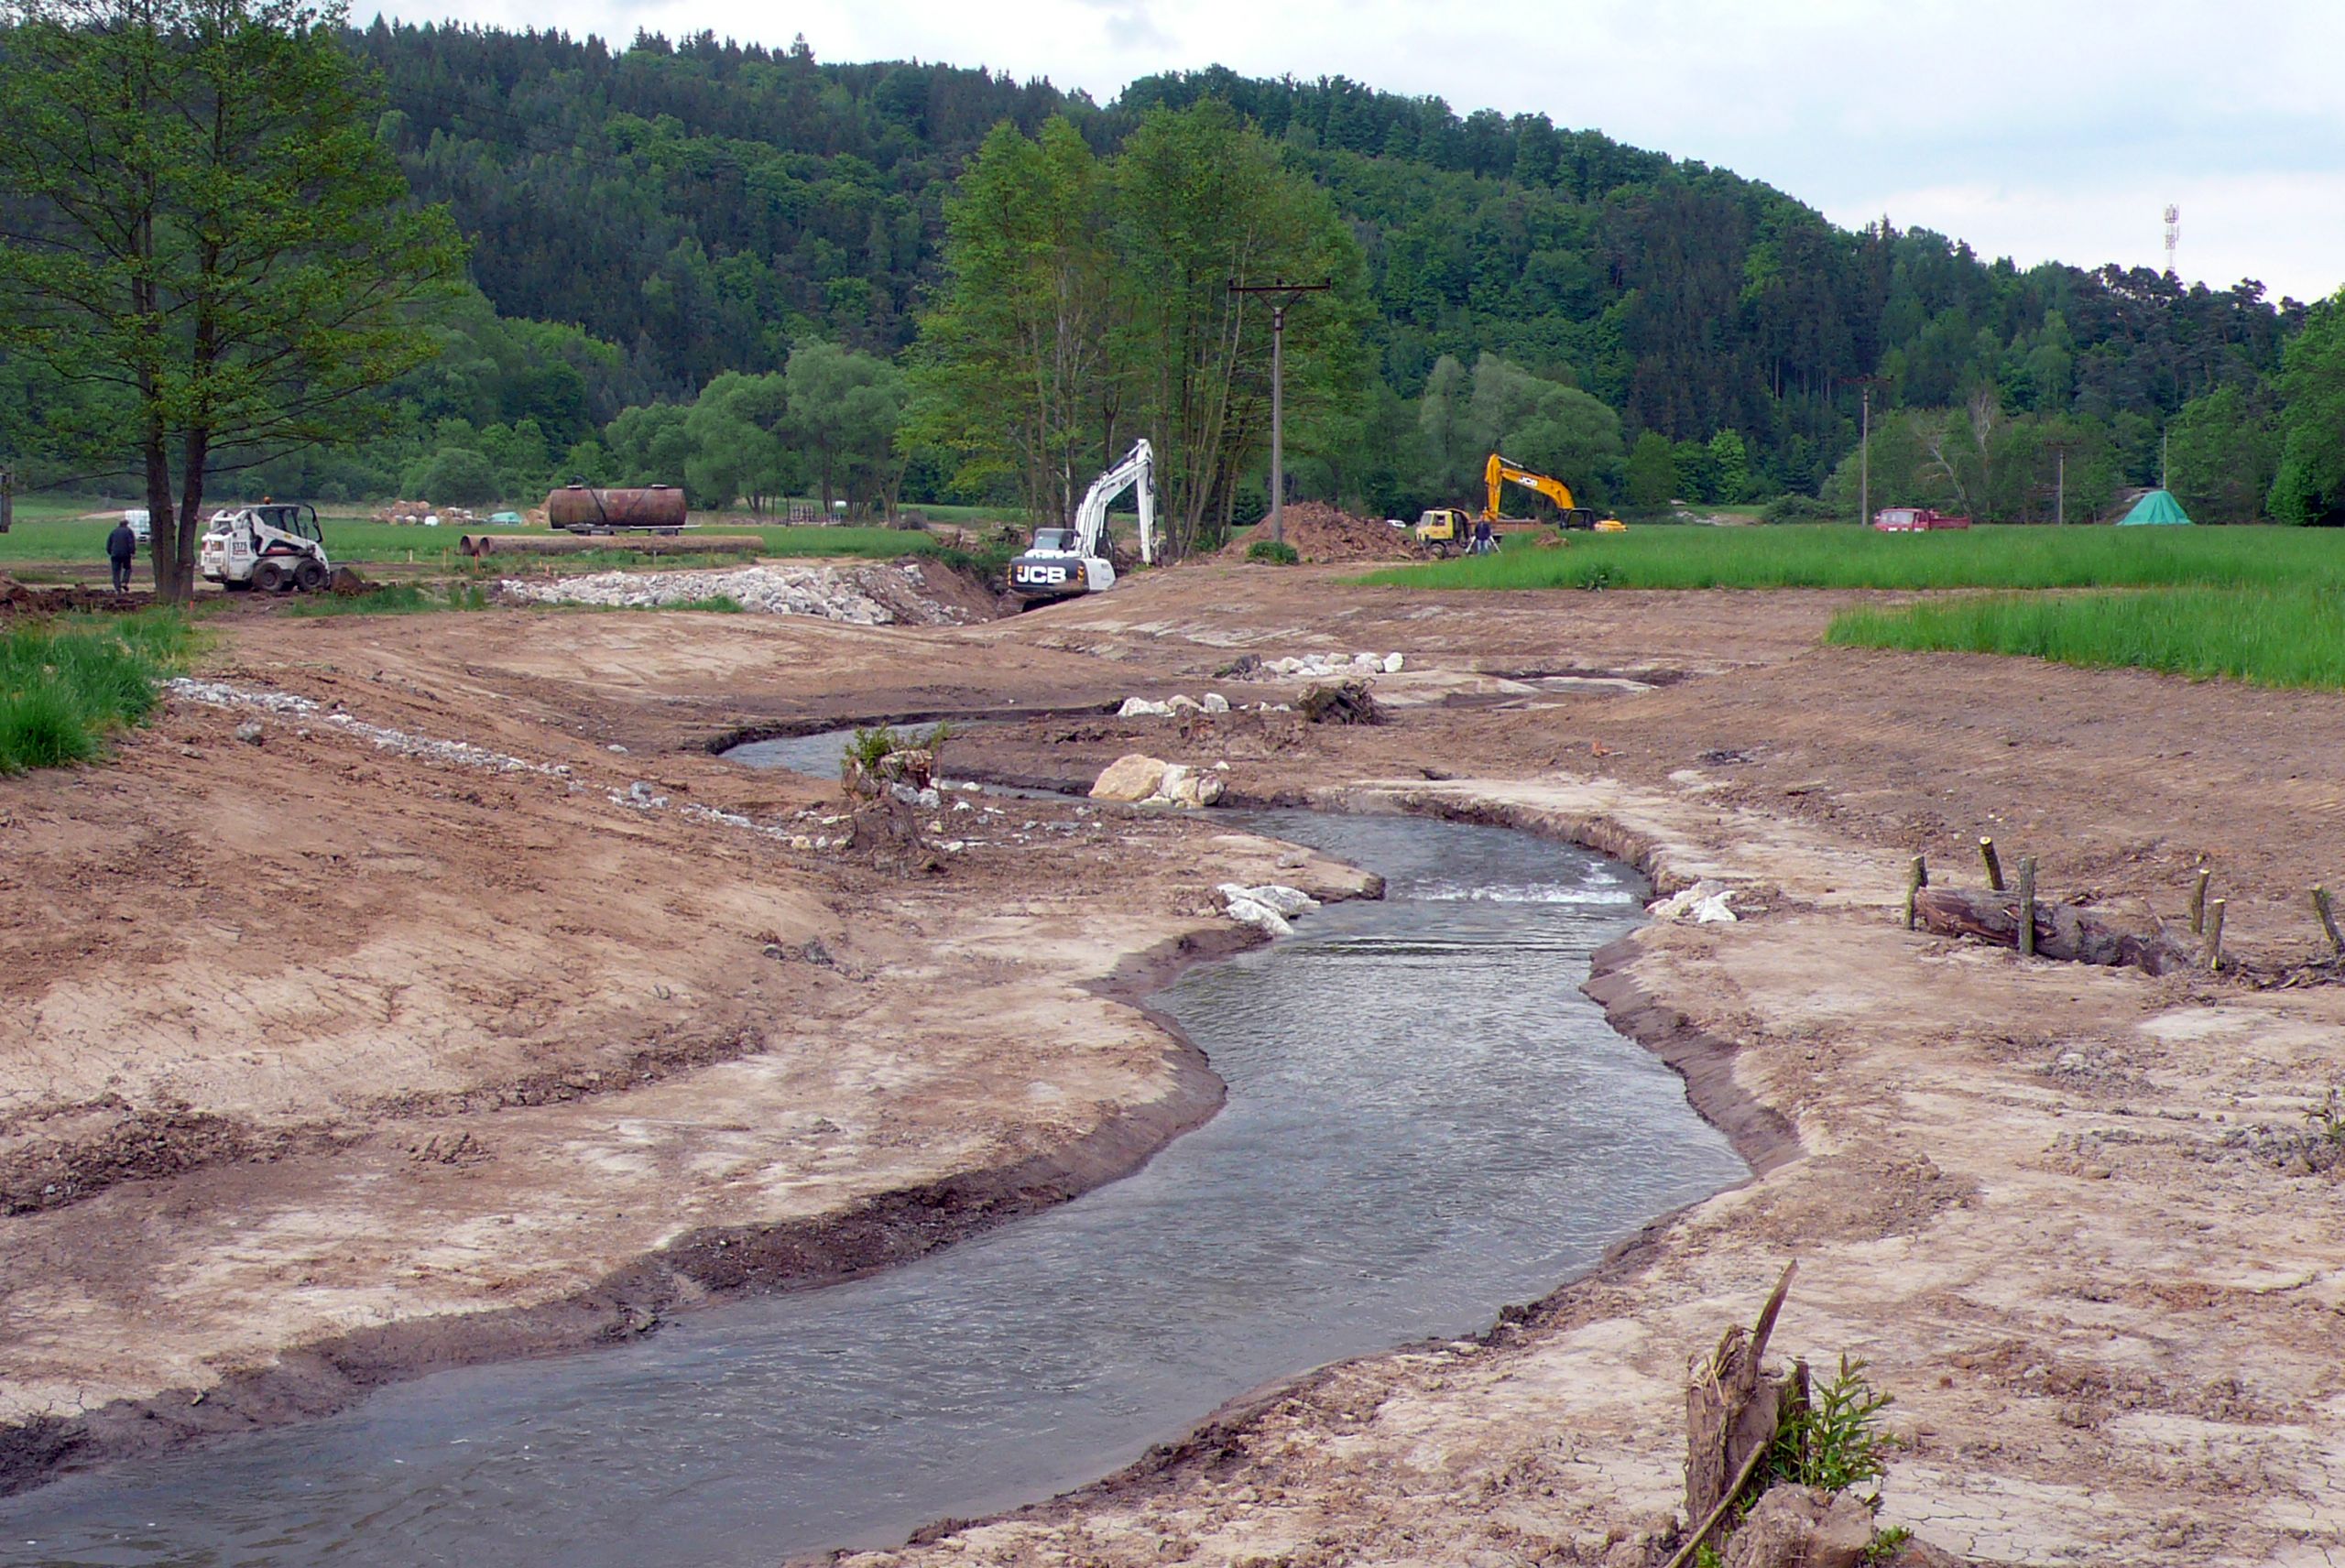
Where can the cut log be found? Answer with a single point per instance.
(2073, 935)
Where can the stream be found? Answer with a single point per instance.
(1426, 1121)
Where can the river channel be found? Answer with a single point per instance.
(1426, 1120)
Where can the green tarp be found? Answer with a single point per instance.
(2157, 506)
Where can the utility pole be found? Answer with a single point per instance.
(2060, 482)
(7, 497)
(1281, 296)
(1864, 449)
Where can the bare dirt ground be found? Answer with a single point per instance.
(408, 1061)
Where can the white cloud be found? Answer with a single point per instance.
(2030, 128)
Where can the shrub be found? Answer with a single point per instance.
(1794, 508)
(1275, 551)
(1834, 1440)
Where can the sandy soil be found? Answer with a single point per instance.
(266, 999)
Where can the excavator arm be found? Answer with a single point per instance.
(1497, 471)
(1138, 467)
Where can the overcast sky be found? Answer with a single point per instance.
(2038, 129)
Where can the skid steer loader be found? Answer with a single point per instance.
(274, 547)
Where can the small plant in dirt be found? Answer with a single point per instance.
(1887, 1544)
(1276, 552)
(1834, 1439)
(2327, 1117)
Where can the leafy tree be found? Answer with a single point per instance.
(455, 477)
(649, 445)
(1012, 373)
(2310, 485)
(2224, 454)
(1697, 472)
(1202, 200)
(845, 407)
(734, 430)
(1652, 472)
(1574, 437)
(206, 235)
(1730, 461)
(1451, 444)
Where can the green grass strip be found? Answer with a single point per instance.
(1828, 555)
(66, 684)
(2267, 636)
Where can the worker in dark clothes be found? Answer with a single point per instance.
(122, 548)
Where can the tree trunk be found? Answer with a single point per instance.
(2062, 930)
(190, 529)
(162, 529)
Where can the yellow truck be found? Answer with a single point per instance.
(1450, 530)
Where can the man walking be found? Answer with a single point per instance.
(122, 548)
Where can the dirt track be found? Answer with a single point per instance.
(423, 1041)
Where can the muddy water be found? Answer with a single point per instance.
(1426, 1120)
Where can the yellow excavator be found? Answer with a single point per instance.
(1447, 529)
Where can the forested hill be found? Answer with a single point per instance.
(703, 206)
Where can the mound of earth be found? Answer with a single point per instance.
(1320, 533)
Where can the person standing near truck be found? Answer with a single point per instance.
(122, 548)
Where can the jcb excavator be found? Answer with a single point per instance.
(1447, 529)
(1063, 563)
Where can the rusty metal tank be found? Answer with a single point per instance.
(582, 509)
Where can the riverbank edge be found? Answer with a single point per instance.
(705, 1267)
(1759, 1133)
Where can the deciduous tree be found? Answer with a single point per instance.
(204, 234)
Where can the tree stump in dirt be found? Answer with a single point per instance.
(914, 767)
(2061, 931)
(1733, 1409)
(1346, 702)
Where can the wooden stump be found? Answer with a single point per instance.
(1347, 703)
(1732, 1411)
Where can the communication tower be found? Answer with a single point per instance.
(2173, 236)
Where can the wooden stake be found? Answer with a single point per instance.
(2327, 919)
(2198, 902)
(1916, 881)
(1994, 867)
(2214, 935)
(2027, 906)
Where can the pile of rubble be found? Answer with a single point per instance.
(860, 595)
(417, 513)
(1150, 781)
(1316, 666)
(1318, 533)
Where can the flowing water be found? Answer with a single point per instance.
(1426, 1120)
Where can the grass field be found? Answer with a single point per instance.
(1828, 555)
(66, 684)
(50, 532)
(2268, 637)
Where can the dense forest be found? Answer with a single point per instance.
(649, 221)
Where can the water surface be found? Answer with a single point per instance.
(1426, 1121)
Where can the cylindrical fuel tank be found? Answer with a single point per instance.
(584, 506)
